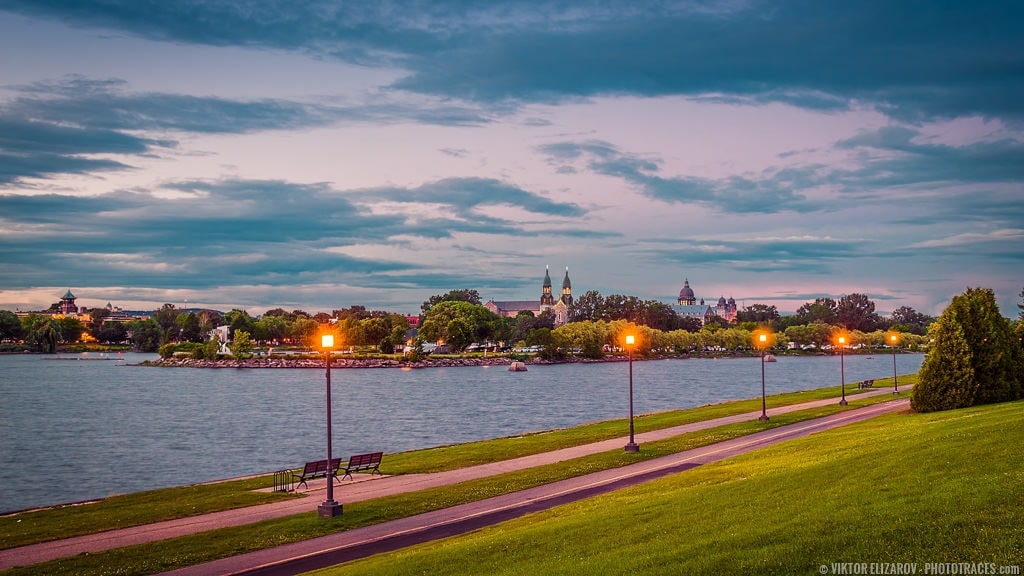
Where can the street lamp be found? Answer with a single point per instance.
(894, 339)
(761, 341)
(329, 508)
(841, 341)
(632, 446)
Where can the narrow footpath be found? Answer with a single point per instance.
(283, 559)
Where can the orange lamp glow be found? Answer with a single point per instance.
(327, 341)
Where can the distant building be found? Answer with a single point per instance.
(67, 304)
(687, 307)
(560, 307)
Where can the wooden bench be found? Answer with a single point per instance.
(317, 469)
(865, 384)
(361, 463)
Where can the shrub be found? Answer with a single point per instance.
(975, 357)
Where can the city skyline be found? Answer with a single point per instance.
(317, 156)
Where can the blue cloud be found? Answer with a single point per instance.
(77, 116)
(914, 59)
(243, 231)
(772, 193)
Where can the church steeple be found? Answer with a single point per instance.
(567, 289)
(546, 298)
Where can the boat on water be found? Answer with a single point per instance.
(517, 366)
(770, 358)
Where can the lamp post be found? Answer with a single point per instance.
(762, 344)
(329, 508)
(893, 341)
(632, 446)
(841, 340)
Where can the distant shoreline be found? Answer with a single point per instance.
(281, 363)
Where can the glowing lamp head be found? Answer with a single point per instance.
(762, 338)
(327, 341)
(842, 340)
(892, 338)
(630, 340)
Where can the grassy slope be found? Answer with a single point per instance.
(944, 487)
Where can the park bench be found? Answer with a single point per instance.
(318, 469)
(361, 463)
(866, 384)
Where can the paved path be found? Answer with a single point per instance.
(364, 489)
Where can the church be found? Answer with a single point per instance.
(547, 301)
(687, 307)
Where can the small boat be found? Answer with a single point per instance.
(517, 366)
(770, 358)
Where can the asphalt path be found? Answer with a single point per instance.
(333, 549)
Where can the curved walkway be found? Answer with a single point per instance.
(367, 488)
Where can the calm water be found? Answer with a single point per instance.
(73, 430)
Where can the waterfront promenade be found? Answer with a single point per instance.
(365, 488)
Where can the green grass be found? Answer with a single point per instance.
(169, 554)
(167, 504)
(917, 488)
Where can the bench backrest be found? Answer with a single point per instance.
(365, 459)
(320, 466)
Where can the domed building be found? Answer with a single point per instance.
(687, 306)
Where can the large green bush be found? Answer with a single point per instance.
(974, 357)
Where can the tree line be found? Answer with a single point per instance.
(458, 319)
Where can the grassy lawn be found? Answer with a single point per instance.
(907, 488)
(166, 504)
(169, 554)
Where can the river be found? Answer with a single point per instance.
(73, 429)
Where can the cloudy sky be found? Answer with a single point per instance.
(321, 154)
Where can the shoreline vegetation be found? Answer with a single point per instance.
(448, 361)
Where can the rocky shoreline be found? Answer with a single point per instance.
(358, 363)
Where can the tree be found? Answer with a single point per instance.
(239, 320)
(691, 324)
(975, 358)
(10, 326)
(587, 307)
(376, 330)
(911, 320)
(821, 310)
(458, 323)
(71, 329)
(97, 316)
(659, 316)
(241, 345)
(946, 379)
(188, 328)
(166, 317)
(271, 328)
(1020, 315)
(49, 336)
(463, 295)
(111, 333)
(857, 312)
(146, 335)
(759, 313)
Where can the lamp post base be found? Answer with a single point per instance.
(328, 509)
(842, 402)
(632, 447)
(763, 417)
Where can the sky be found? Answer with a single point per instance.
(317, 154)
